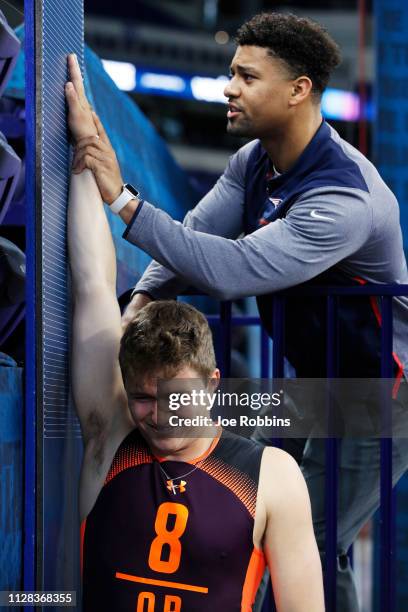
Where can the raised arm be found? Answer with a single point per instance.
(289, 542)
(97, 384)
(96, 378)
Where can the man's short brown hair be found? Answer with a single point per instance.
(164, 337)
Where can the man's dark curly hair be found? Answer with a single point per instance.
(304, 45)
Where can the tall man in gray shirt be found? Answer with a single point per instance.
(310, 207)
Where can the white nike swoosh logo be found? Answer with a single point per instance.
(315, 215)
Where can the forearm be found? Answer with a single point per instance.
(219, 213)
(91, 249)
(161, 282)
(222, 267)
(282, 254)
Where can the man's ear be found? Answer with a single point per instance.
(214, 380)
(301, 89)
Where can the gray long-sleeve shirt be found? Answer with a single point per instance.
(336, 212)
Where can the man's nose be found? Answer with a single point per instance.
(231, 89)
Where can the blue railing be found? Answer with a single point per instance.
(227, 321)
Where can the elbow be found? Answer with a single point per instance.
(224, 293)
(228, 296)
(81, 290)
(221, 288)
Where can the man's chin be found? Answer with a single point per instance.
(237, 130)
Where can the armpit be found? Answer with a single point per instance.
(95, 436)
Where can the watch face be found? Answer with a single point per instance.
(132, 190)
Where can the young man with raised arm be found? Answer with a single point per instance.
(169, 524)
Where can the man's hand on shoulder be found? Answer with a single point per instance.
(289, 542)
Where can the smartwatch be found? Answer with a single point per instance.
(128, 193)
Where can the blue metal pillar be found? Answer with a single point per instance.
(31, 296)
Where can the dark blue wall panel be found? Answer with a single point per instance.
(391, 97)
(391, 157)
(11, 480)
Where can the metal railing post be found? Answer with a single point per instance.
(278, 347)
(278, 356)
(388, 495)
(265, 367)
(331, 448)
(278, 350)
(225, 335)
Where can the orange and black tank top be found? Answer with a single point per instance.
(154, 545)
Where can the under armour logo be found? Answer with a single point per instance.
(172, 487)
(275, 201)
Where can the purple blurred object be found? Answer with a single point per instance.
(9, 162)
(10, 165)
(9, 49)
(12, 118)
(12, 287)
